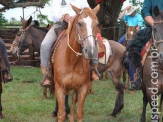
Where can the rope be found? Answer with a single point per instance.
(68, 39)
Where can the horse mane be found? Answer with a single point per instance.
(40, 28)
(135, 46)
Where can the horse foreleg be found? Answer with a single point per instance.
(60, 95)
(119, 103)
(81, 98)
(1, 115)
(74, 100)
(67, 109)
(44, 92)
(145, 102)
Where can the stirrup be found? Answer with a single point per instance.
(43, 80)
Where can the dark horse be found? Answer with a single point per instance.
(153, 69)
(115, 69)
(71, 61)
(2, 69)
(29, 35)
(32, 35)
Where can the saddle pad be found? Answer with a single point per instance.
(108, 53)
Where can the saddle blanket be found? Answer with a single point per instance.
(104, 59)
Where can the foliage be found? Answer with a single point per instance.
(43, 19)
(2, 19)
(13, 21)
(22, 101)
(137, 3)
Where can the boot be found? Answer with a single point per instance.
(95, 75)
(46, 80)
(7, 77)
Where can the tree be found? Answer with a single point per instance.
(9, 4)
(2, 19)
(108, 14)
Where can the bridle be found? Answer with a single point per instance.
(155, 42)
(19, 43)
(79, 38)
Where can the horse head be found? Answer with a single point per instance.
(20, 44)
(157, 32)
(86, 28)
(130, 32)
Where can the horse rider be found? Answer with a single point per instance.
(134, 47)
(61, 13)
(132, 18)
(7, 77)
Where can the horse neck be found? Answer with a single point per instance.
(37, 37)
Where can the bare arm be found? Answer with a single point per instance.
(123, 12)
(149, 20)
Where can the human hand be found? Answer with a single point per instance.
(128, 7)
(67, 18)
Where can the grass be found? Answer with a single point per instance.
(23, 102)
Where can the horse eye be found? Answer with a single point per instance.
(80, 24)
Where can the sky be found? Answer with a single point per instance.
(29, 11)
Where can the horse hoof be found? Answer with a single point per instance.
(111, 117)
(54, 114)
(1, 116)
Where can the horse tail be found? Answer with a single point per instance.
(161, 100)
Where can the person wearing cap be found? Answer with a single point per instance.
(62, 13)
(132, 18)
(134, 48)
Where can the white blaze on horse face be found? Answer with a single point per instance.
(88, 22)
(131, 32)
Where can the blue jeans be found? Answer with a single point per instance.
(131, 69)
(131, 73)
(122, 39)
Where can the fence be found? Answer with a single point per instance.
(32, 58)
(28, 58)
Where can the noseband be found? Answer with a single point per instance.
(20, 42)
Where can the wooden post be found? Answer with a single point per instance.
(122, 29)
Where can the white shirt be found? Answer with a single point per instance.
(57, 10)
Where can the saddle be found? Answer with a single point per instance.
(144, 53)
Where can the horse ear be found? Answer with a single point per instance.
(29, 21)
(77, 10)
(156, 11)
(96, 9)
(22, 20)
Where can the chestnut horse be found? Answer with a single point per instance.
(152, 74)
(71, 61)
(115, 69)
(130, 33)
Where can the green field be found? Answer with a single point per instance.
(23, 102)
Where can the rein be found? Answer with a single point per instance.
(68, 43)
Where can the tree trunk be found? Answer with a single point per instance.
(108, 15)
